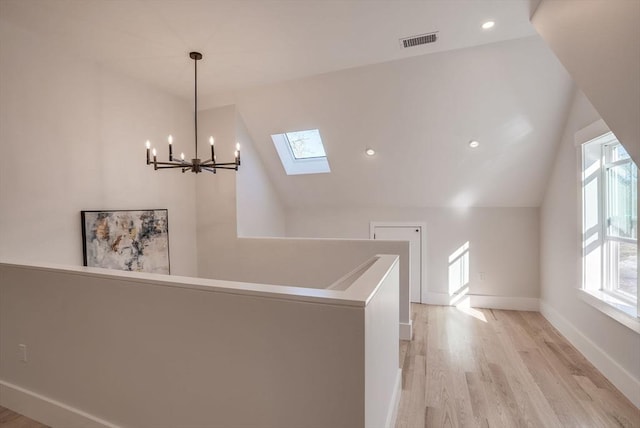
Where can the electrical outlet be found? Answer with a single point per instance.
(23, 352)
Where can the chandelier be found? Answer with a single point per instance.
(196, 165)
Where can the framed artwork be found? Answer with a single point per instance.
(132, 240)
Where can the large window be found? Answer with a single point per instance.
(610, 222)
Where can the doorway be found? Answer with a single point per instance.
(406, 231)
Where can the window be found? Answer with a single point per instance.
(301, 152)
(306, 144)
(610, 223)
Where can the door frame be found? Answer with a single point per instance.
(423, 247)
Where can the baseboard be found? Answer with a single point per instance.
(439, 299)
(483, 301)
(392, 414)
(613, 371)
(503, 302)
(406, 330)
(45, 410)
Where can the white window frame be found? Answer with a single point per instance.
(294, 166)
(608, 285)
(623, 310)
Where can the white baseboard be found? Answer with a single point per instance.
(482, 301)
(392, 414)
(613, 371)
(406, 330)
(439, 299)
(503, 302)
(46, 410)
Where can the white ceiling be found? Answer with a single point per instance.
(253, 42)
(419, 114)
(337, 66)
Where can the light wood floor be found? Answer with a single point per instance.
(493, 368)
(9, 419)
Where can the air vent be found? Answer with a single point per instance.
(422, 39)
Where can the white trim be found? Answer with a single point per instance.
(406, 330)
(589, 132)
(620, 311)
(483, 301)
(505, 302)
(439, 299)
(614, 372)
(46, 410)
(352, 296)
(617, 309)
(392, 414)
(423, 250)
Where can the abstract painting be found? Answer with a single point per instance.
(132, 240)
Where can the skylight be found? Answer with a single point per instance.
(306, 144)
(301, 152)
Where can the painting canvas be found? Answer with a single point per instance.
(126, 240)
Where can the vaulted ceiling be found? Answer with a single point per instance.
(338, 66)
(420, 114)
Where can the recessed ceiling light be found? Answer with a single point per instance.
(488, 24)
(473, 144)
(370, 152)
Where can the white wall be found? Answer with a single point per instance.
(223, 255)
(598, 42)
(600, 336)
(72, 138)
(260, 211)
(503, 242)
(143, 350)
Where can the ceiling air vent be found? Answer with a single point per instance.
(422, 39)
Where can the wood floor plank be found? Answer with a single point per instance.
(493, 368)
(11, 419)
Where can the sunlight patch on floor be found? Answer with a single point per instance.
(464, 305)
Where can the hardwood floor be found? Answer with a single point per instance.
(493, 368)
(9, 419)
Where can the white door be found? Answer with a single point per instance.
(413, 234)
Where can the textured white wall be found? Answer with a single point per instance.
(560, 254)
(598, 42)
(503, 242)
(72, 138)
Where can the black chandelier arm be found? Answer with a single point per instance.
(210, 164)
(227, 167)
(172, 164)
(170, 167)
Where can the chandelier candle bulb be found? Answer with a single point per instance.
(182, 156)
(213, 151)
(238, 153)
(148, 145)
(170, 147)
